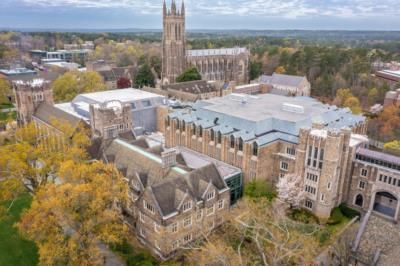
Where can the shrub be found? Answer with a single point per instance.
(260, 189)
(336, 217)
(303, 216)
(324, 236)
(348, 212)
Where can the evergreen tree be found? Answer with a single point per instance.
(144, 77)
(189, 74)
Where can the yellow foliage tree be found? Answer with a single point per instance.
(354, 104)
(72, 83)
(393, 146)
(71, 222)
(5, 90)
(280, 70)
(345, 98)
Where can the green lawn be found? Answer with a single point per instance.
(4, 116)
(15, 250)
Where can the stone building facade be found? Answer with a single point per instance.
(225, 64)
(29, 95)
(172, 204)
(110, 119)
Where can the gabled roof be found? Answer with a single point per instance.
(281, 79)
(48, 114)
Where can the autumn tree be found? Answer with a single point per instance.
(393, 146)
(70, 222)
(144, 77)
(5, 90)
(280, 70)
(123, 83)
(373, 94)
(290, 190)
(190, 74)
(72, 83)
(345, 98)
(31, 160)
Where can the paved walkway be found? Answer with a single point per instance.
(380, 234)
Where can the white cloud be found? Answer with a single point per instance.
(269, 8)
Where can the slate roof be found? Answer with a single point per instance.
(221, 51)
(381, 156)
(48, 113)
(281, 79)
(193, 87)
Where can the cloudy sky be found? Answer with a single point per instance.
(204, 14)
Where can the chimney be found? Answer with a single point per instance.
(168, 158)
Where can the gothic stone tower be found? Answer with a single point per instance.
(29, 95)
(174, 42)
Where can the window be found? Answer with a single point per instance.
(199, 215)
(210, 210)
(174, 227)
(187, 206)
(210, 195)
(290, 151)
(133, 106)
(310, 189)
(322, 197)
(220, 204)
(142, 232)
(364, 172)
(312, 177)
(255, 149)
(142, 217)
(136, 185)
(187, 238)
(361, 185)
(329, 185)
(232, 142)
(212, 135)
(149, 207)
(284, 166)
(240, 144)
(187, 221)
(175, 244)
(308, 204)
(219, 137)
(146, 103)
(156, 227)
(282, 175)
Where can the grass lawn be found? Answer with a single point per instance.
(4, 116)
(15, 250)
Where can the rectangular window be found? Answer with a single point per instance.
(149, 207)
(187, 221)
(199, 215)
(315, 153)
(187, 206)
(175, 244)
(284, 166)
(308, 204)
(187, 238)
(146, 103)
(210, 195)
(210, 210)
(290, 151)
(364, 172)
(220, 204)
(322, 197)
(142, 217)
(174, 227)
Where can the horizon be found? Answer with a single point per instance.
(257, 15)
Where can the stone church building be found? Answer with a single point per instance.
(225, 64)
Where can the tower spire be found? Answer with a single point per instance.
(183, 8)
(164, 9)
(173, 7)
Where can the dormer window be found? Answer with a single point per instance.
(212, 133)
(240, 144)
(187, 206)
(255, 149)
(219, 137)
(232, 142)
(201, 131)
(194, 130)
(210, 195)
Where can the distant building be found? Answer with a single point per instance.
(226, 64)
(100, 65)
(392, 98)
(287, 85)
(144, 108)
(61, 67)
(78, 56)
(86, 45)
(16, 73)
(392, 77)
(177, 196)
(192, 91)
(112, 75)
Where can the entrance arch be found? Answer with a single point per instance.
(359, 200)
(385, 203)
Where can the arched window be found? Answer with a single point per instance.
(212, 135)
(359, 200)
(240, 144)
(194, 130)
(183, 125)
(168, 121)
(219, 137)
(200, 131)
(232, 142)
(255, 149)
(178, 125)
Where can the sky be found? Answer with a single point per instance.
(203, 14)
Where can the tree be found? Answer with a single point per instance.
(345, 98)
(290, 190)
(373, 94)
(71, 222)
(190, 74)
(144, 77)
(393, 146)
(280, 70)
(31, 160)
(255, 69)
(354, 104)
(123, 83)
(72, 83)
(5, 90)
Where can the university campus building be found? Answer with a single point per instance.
(226, 64)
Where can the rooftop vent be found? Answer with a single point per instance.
(237, 97)
(292, 108)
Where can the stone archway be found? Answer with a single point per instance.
(359, 201)
(385, 203)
